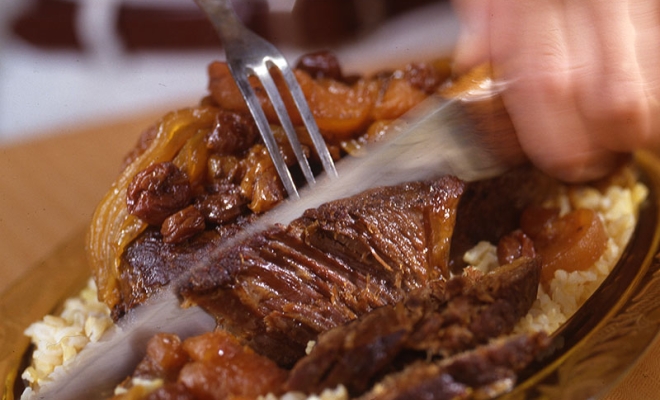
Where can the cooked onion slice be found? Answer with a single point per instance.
(112, 227)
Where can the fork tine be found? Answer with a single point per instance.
(249, 54)
(264, 128)
(308, 119)
(268, 83)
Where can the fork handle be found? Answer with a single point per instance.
(224, 19)
(482, 103)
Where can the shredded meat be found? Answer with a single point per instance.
(484, 372)
(430, 323)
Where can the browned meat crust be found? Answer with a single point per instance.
(280, 288)
(149, 263)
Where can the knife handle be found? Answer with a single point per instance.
(480, 99)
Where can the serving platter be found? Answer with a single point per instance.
(589, 354)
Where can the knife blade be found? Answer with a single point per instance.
(441, 136)
(466, 133)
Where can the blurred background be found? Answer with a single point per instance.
(68, 63)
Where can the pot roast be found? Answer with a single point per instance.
(375, 281)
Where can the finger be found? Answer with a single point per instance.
(645, 16)
(611, 97)
(530, 51)
(472, 48)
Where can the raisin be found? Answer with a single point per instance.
(233, 133)
(224, 169)
(222, 206)
(267, 192)
(513, 246)
(423, 77)
(182, 225)
(157, 192)
(321, 64)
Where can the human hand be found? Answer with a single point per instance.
(583, 77)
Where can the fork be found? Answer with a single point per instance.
(248, 55)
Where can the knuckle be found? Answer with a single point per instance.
(622, 110)
(551, 86)
(619, 102)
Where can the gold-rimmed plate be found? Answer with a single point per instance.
(591, 352)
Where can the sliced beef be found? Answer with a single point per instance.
(438, 321)
(281, 287)
(388, 353)
(489, 308)
(483, 372)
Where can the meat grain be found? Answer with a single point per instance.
(280, 288)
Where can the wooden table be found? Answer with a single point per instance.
(49, 188)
